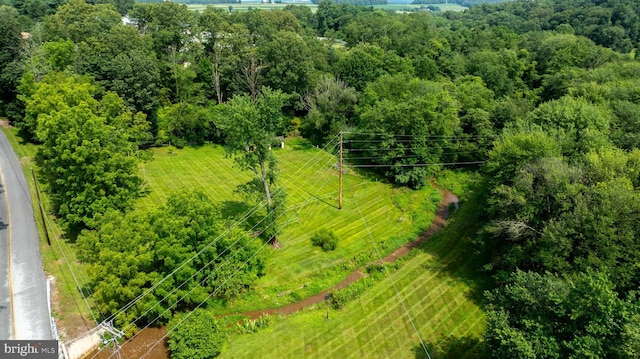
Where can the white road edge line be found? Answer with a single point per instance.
(10, 279)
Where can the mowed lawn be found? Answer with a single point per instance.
(440, 287)
(310, 177)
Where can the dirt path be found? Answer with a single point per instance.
(151, 336)
(442, 214)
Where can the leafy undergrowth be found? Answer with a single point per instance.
(298, 269)
(440, 285)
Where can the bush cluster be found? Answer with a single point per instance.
(325, 239)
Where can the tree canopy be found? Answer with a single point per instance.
(185, 242)
(540, 97)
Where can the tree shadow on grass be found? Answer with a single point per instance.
(22, 136)
(451, 348)
(456, 250)
(239, 210)
(302, 145)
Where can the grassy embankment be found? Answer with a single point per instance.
(441, 287)
(72, 314)
(298, 269)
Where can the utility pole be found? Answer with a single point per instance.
(112, 338)
(340, 176)
(44, 219)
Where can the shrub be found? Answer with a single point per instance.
(325, 239)
(339, 298)
(254, 325)
(198, 336)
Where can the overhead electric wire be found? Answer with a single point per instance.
(255, 226)
(421, 164)
(391, 140)
(361, 149)
(245, 217)
(419, 136)
(199, 305)
(393, 157)
(375, 246)
(307, 164)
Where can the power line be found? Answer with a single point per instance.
(394, 157)
(375, 246)
(421, 164)
(204, 280)
(417, 136)
(391, 140)
(201, 303)
(410, 149)
(244, 218)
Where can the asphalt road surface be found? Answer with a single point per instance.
(24, 312)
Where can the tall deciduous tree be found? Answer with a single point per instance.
(576, 124)
(10, 67)
(87, 157)
(86, 163)
(364, 63)
(55, 92)
(413, 121)
(251, 127)
(78, 20)
(330, 104)
(288, 63)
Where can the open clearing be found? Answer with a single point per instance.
(310, 177)
(440, 286)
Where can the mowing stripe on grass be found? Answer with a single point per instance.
(392, 214)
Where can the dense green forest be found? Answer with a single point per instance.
(539, 97)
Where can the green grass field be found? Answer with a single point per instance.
(439, 284)
(310, 178)
(441, 287)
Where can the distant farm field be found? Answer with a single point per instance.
(248, 6)
(409, 7)
(314, 7)
(309, 175)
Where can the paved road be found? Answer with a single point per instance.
(27, 315)
(5, 304)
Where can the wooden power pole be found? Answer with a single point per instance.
(44, 219)
(340, 176)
